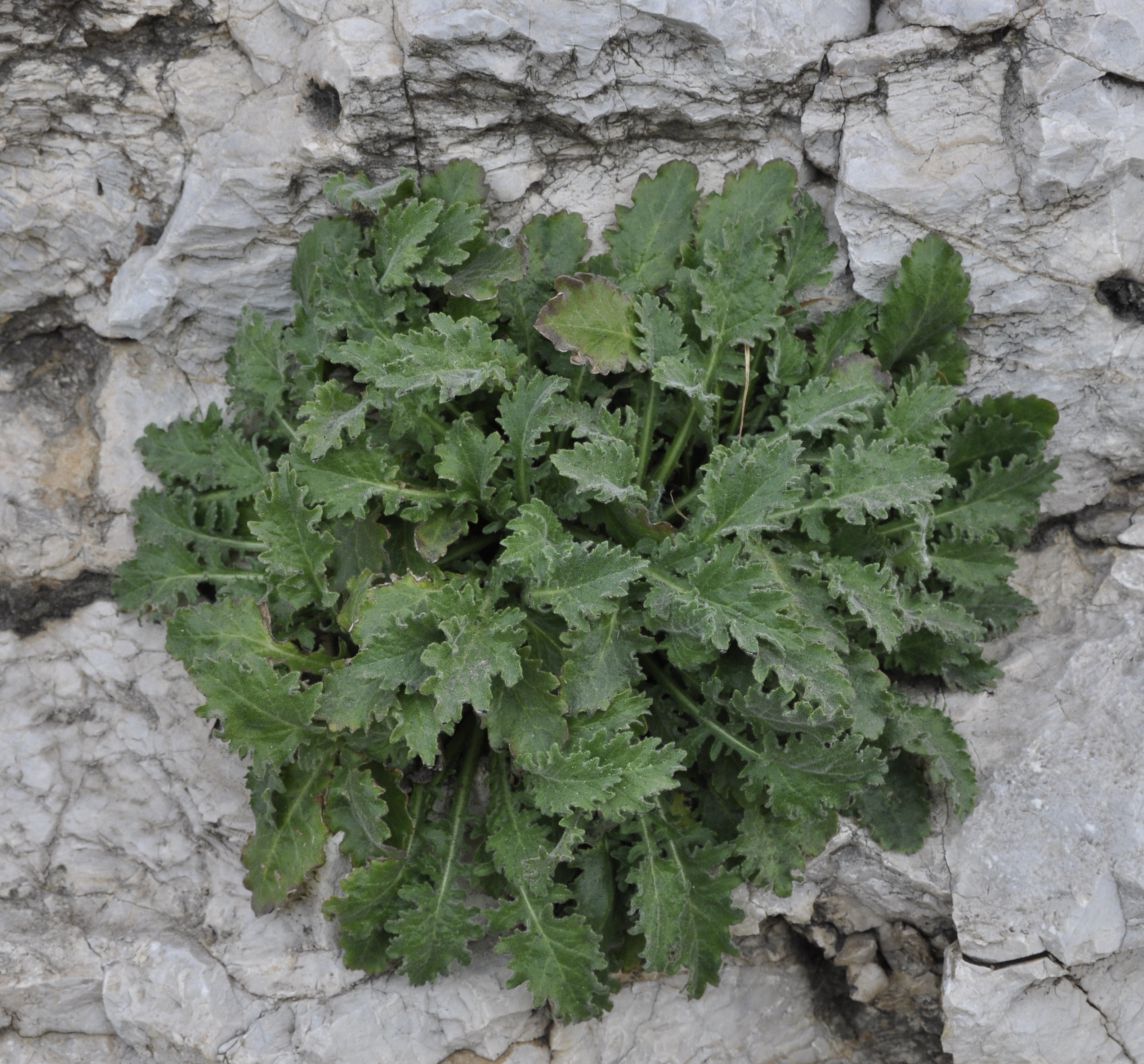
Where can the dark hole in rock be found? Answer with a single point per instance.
(1124, 296)
(52, 364)
(1112, 80)
(325, 104)
(26, 607)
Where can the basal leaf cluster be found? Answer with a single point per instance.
(572, 590)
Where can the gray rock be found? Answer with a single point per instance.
(759, 1014)
(977, 145)
(1049, 868)
(968, 16)
(1050, 859)
(171, 999)
(1031, 1013)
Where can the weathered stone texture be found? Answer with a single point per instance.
(158, 159)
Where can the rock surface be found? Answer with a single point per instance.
(157, 161)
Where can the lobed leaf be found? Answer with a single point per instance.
(593, 321)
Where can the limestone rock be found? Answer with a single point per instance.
(82, 189)
(977, 145)
(1049, 860)
(968, 16)
(759, 1014)
(1032, 1013)
(71, 408)
(171, 999)
(1049, 866)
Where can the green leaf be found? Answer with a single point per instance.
(460, 181)
(479, 643)
(170, 517)
(716, 601)
(263, 713)
(605, 470)
(559, 956)
(530, 716)
(923, 308)
(648, 236)
(593, 320)
(234, 629)
(809, 777)
(644, 769)
(756, 202)
(420, 722)
(873, 699)
(772, 848)
(1000, 500)
(348, 192)
(869, 592)
(918, 413)
(674, 362)
(447, 247)
(296, 550)
(485, 272)
(842, 333)
(338, 287)
(370, 898)
(927, 732)
(258, 366)
(344, 482)
(681, 904)
(943, 617)
(976, 566)
(788, 361)
(400, 241)
(436, 924)
(553, 246)
(205, 454)
(469, 458)
(330, 412)
(453, 357)
(807, 251)
(164, 577)
(331, 240)
(289, 833)
(520, 844)
(577, 581)
(661, 336)
(433, 929)
(355, 805)
(363, 688)
(803, 660)
(871, 480)
(748, 487)
(826, 404)
(738, 293)
(998, 607)
(897, 814)
(978, 438)
(601, 662)
(1029, 410)
(528, 411)
(433, 537)
(571, 778)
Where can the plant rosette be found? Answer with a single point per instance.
(572, 591)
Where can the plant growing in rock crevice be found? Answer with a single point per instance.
(585, 584)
